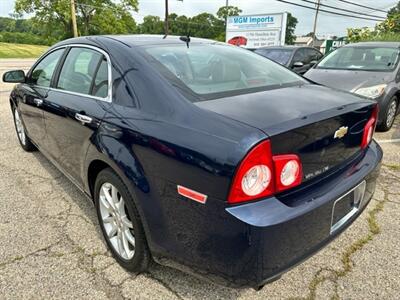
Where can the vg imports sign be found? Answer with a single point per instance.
(254, 31)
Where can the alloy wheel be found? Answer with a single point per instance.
(391, 114)
(20, 127)
(116, 221)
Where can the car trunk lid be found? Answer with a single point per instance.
(323, 127)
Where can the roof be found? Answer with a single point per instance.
(375, 44)
(290, 47)
(136, 39)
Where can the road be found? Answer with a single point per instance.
(51, 245)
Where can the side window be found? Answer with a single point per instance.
(100, 85)
(43, 72)
(313, 55)
(299, 56)
(79, 71)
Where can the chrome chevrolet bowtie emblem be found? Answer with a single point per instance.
(341, 132)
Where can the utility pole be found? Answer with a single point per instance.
(73, 19)
(226, 7)
(166, 18)
(315, 23)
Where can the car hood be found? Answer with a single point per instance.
(279, 110)
(348, 80)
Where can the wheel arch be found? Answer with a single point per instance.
(97, 160)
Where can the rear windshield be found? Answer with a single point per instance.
(281, 56)
(210, 71)
(361, 58)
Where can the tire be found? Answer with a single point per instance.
(23, 138)
(112, 219)
(390, 115)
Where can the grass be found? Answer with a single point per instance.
(8, 50)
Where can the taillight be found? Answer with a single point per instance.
(254, 177)
(369, 128)
(261, 174)
(288, 171)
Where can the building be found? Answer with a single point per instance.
(302, 41)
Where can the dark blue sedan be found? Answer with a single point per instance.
(200, 155)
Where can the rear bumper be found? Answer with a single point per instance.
(283, 236)
(250, 244)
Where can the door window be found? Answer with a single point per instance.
(299, 56)
(313, 55)
(43, 72)
(84, 71)
(100, 85)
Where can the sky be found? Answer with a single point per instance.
(327, 24)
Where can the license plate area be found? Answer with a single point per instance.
(347, 206)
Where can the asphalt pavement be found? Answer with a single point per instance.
(51, 245)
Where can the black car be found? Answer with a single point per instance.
(198, 154)
(299, 59)
(368, 69)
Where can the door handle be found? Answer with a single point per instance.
(83, 118)
(38, 102)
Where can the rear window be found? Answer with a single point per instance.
(207, 71)
(281, 56)
(361, 58)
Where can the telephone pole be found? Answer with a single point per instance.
(73, 19)
(315, 23)
(166, 18)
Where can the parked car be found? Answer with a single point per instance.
(238, 41)
(234, 168)
(299, 59)
(368, 69)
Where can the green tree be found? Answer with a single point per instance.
(93, 16)
(151, 25)
(228, 11)
(290, 28)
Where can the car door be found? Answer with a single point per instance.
(33, 93)
(75, 107)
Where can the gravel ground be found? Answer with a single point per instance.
(51, 245)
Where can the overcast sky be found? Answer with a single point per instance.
(327, 24)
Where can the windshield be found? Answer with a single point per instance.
(281, 56)
(217, 70)
(361, 58)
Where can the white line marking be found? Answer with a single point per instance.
(388, 141)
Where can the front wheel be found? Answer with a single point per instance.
(390, 115)
(24, 140)
(120, 222)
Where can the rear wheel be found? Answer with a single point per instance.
(390, 115)
(24, 140)
(120, 222)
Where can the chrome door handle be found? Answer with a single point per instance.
(38, 102)
(83, 118)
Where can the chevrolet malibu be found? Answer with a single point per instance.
(200, 155)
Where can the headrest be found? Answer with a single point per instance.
(369, 56)
(224, 71)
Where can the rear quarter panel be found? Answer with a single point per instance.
(153, 156)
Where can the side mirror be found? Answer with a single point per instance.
(313, 62)
(16, 76)
(298, 64)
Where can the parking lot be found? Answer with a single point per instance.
(51, 245)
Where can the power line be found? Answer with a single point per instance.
(364, 6)
(343, 9)
(330, 12)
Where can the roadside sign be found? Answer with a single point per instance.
(254, 31)
(334, 44)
